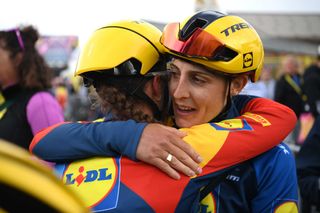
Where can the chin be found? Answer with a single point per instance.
(184, 123)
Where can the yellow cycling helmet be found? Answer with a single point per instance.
(28, 186)
(119, 42)
(125, 55)
(220, 42)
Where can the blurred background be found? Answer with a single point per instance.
(285, 26)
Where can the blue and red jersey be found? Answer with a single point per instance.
(119, 184)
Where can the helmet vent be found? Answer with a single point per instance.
(129, 67)
(189, 28)
(225, 54)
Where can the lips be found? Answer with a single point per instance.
(183, 109)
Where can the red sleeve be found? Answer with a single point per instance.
(263, 124)
(271, 123)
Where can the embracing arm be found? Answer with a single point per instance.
(71, 141)
(111, 138)
(263, 124)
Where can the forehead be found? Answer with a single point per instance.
(185, 66)
(181, 64)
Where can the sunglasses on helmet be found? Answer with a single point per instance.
(200, 44)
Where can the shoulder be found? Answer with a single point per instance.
(275, 162)
(276, 154)
(281, 80)
(42, 97)
(41, 100)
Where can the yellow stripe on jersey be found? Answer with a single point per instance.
(287, 207)
(206, 140)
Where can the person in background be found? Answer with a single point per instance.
(289, 91)
(264, 87)
(267, 82)
(311, 87)
(27, 105)
(311, 79)
(308, 170)
(308, 161)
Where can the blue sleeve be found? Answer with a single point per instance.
(72, 141)
(240, 101)
(276, 181)
(308, 166)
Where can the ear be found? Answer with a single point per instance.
(237, 84)
(153, 89)
(18, 59)
(156, 87)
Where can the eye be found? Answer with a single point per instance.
(198, 79)
(173, 73)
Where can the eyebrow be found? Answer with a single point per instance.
(202, 72)
(192, 70)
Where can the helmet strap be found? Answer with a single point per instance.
(224, 112)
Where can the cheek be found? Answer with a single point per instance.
(172, 87)
(213, 102)
(5, 61)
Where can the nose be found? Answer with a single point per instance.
(180, 88)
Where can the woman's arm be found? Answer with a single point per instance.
(266, 118)
(71, 141)
(263, 125)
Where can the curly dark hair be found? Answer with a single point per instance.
(119, 103)
(33, 71)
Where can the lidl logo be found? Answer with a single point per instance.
(208, 204)
(88, 176)
(232, 125)
(247, 60)
(96, 180)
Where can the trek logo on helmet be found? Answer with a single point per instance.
(234, 28)
(247, 60)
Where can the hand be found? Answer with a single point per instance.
(158, 141)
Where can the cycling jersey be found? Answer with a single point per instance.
(118, 184)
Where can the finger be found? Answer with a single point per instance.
(166, 168)
(183, 146)
(182, 162)
(178, 166)
(177, 132)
